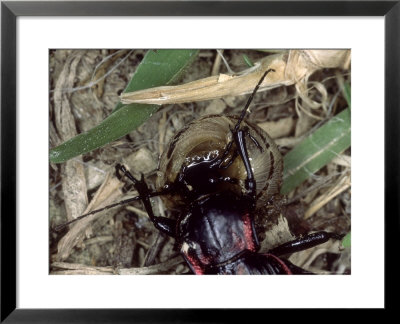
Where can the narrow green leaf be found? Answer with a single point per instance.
(247, 60)
(347, 93)
(161, 67)
(316, 151)
(346, 242)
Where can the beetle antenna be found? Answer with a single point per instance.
(242, 115)
(120, 203)
(123, 202)
(250, 100)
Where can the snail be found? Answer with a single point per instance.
(205, 139)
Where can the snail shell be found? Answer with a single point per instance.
(208, 137)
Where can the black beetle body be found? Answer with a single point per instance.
(215, 231)
(217, 236)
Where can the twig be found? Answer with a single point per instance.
(342, 184)
(154, 269)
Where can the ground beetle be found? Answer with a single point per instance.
(215, 229)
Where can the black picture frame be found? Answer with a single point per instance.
(10, 10)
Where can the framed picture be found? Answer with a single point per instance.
(84, 59)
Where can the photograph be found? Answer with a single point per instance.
(142, 141)
(199, 161)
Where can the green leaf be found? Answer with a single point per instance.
(247, 60)
(346, 242)
(161, 67)
(316, 151)
(347, 93)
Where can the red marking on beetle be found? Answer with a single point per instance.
(204, 259)
(195, 264)
(248, 232)
(238, 243)
(283, 264)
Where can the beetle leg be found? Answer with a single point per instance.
(241, 117)
(305, 242)
(235, 154)
(254, 140)
(241, 144)
(163, 224)
(219, 160)
(250, 183)
(228, 164)
(166, 190)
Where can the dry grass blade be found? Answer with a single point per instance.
(80, 269)
(73, 181)
(215, 86)
(342, 184)
(342, 160)
(155, 269)
(109, 192)
(286, 66)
